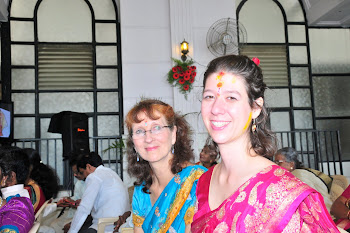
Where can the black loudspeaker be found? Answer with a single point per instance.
(74, 129)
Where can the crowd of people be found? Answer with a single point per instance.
(253, 188)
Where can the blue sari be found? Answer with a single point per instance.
(174, 209)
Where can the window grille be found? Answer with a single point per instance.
(273, 62)
(65, 67)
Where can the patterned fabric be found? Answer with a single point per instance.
(36, 194)
(17, 215)
(345, 223)
(271, 201)
(174, 208)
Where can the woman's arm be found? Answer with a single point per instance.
(188, 228)
(138, 230)
(339, 209)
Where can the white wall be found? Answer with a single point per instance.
(148, 29)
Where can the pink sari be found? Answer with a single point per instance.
(271, 201)
(345, 223)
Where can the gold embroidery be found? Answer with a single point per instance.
(221, 228)
(137, 220)
(234, 222)
(244, 186)
(156, 212)
(254, 194)
(189, 215)
(180, 199)
(279, 172)
(220, 213)
(241, 197)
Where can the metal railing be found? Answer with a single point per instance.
(318, 149)
(51, 152)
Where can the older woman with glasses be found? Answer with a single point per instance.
(159, 155)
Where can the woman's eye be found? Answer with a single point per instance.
(157, 127)
(208, 96)
(231, 98)
(139, 131)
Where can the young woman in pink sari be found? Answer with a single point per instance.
(246, 192)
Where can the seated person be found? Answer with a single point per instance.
(16, 212)
(105, 195)
(287, 158)
(17, 170)
(209, 153)
(42, 183)
(341, 210)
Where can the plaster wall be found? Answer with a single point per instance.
(147, 31)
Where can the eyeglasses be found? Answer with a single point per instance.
(278, 162)
(141, 133)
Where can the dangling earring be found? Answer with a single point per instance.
(137, 155)
(172, 149)
(253, 126)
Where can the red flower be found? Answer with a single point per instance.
(174, 69)
(192, 80)
(186, 87)
(179, 68)
(187, 77)
(188, 72)
(182, 74)
(182, 81)
(194, 67)
(193, 74)
(176, 75)
(256, 60)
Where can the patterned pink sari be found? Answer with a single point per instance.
(345, 223)
(271, 201)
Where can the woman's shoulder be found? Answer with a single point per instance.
(192, 166)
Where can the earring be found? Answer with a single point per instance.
(253, 126)
(172, 149)
(137, 155)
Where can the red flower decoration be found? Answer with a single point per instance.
(256, 60)
(182, 75)
(182, 81)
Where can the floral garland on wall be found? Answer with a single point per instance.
(182, 75)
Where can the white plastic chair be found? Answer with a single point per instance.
(103, 222)
(35, 227)
(39, 213)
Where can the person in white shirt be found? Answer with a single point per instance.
(105, 195)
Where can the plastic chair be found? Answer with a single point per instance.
(127, 230)
(39, 214)
(103, 222)
(35, 227)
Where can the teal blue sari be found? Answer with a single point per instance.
(174, 209)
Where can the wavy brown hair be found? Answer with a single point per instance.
(183, 152)
(263, 141)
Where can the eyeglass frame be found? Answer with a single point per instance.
(150, 130)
